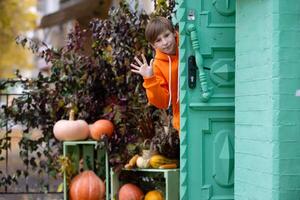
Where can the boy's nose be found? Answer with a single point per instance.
(164, 41)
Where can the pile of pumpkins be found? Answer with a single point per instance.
(130, 191)
(72, 130)
(86, 185)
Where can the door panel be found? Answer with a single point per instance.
(207, 34)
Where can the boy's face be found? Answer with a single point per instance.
(165, 42)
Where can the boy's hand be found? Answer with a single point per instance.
(142, 68)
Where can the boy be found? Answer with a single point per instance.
(161, 75)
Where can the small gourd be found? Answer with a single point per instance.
(70, 130)
(132, 162)
(154, 195)
(142, 163)
(100, 128)
(156, 161)
(144, 160)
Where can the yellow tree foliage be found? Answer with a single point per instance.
(16, 17)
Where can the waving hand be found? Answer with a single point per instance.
(142, 68)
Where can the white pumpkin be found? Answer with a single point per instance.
(70, 130)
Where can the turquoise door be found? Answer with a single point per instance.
(207, 66)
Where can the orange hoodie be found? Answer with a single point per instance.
(162, 92)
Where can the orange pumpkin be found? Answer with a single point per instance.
(100, 128)
(88, 186)
(69, 130)
(130, 191)
(154, 195)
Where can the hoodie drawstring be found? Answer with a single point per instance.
(178, 84)
(170, 81)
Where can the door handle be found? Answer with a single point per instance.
(206, 92)
(192, 72)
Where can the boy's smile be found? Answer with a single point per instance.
(166, 42)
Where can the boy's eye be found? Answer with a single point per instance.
(167, 34)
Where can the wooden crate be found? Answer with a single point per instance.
(94, 156)
(170, 177)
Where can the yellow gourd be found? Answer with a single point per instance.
(158, 160)
(154, 195)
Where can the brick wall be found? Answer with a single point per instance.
(286, 78)
(267, 111)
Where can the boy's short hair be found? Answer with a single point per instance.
(156, 26)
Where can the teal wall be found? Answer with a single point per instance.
(267, 143)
